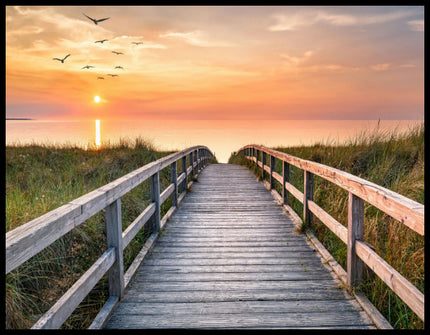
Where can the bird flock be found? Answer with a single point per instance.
(96, 21)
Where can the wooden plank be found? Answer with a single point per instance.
(174, 180)
(137, 225)
(230, 253)
(234, 307)
(181, 178)
(272, 170)
(243, 277)
(166, 193)
(308, 261)
(229, 249)
(215, 286)
(62, 309)
(337, 228)
(155, 198)
(233, 295)
(114, 240)
(372, 312)
(285, 179)
(147, 247)
(308, 195)
(21, 242)
(253, 320)
(404, 289)
(355, 266)
(104, 314)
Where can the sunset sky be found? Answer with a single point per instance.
(216, 62)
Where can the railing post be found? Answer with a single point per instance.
(272, 168)
(355, 265)
(264, 163)
(174, 179)
(286, 179)
(258, 155)
(308, 194)
(192, 165)
(195, 161)
(155, 198)
(196, 158)
(114, 239)
(184, 170)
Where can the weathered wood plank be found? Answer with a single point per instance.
(166, 193)
(228, 249)
(336, 227)
(104, 314)
(404, 289)
(62, 309)
(114, 240)
(233, 295)
(137, 225)
(355, 265)
(299, 275)
(244, 320)
(147, 247)
(235, 307)
(20, 242)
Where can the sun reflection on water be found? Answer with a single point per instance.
(98, 138)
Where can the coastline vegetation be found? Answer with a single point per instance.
(42, 177)
(388, 158)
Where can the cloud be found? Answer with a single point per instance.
(197, 38)
(381, 67)
(416, 25)
(300, 19)
(294, 61)
(144, 45)
(407, 65)
(25, 30)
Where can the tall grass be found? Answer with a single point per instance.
(393, 160)
(40, 178)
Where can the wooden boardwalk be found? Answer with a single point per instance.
(229, 258)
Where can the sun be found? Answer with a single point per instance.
(97, 99)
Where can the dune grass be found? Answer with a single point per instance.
(393, 160)
(40, 178)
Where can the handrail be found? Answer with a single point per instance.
(409, 212)
(32, 237)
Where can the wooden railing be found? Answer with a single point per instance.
(29, 239)
(397, 206)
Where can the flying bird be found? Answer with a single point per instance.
(87, 67)
(118, 53)
(62, 60)
(96, 21)
(137, 43)
(101, 41)
(119, 67)
(112, 75)
(100, 78)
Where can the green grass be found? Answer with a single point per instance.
(40, 178)
(388, 158)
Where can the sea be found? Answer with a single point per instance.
(222, 137)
